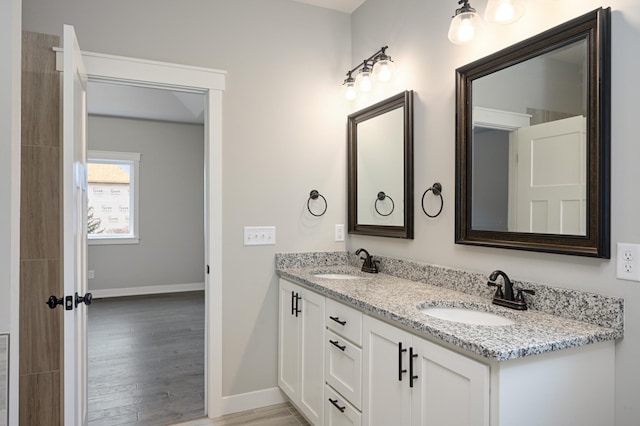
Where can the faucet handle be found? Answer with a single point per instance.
(520, 296)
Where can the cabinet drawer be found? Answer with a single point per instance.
(338, 411)
(343, 367)
(344, 320)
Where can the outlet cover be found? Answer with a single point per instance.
(628, 262)
(339, 232)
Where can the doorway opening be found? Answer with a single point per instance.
(145, 255)
(209, 83)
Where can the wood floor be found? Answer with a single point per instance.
(146, 359)
(275, 415)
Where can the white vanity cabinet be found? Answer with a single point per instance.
(410, 381)
(341, 367)
(301, 349)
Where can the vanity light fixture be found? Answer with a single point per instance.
(504, 11)
(465, 24)
(377, 67)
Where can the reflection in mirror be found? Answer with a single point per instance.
(380, 169)
(380, 141)
(529, 145)
(532, 142)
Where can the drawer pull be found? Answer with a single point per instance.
(335, 343)
(335, 404)
(337, 319)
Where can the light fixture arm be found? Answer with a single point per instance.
(371, 60)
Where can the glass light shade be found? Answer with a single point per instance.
(350, 90)
(363, 81)
(383, 70)
(504, 11)
(465, 27)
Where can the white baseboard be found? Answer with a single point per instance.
(143, 290)
(252, 400)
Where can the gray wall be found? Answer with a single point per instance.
(416, 32)
(490, 180)
(284, 134)
(171, 207)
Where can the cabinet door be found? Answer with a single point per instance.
(450, 390)
(311, 320)
(288, 341)
(386, 392)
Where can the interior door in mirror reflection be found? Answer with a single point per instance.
(551, 177)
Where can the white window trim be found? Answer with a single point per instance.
(134, 158)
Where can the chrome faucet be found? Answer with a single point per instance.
(369, 265)
(506, 298)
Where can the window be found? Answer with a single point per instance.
(112, 194)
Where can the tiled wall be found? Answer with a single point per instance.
(40, 234)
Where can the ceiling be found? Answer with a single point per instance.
(166, 105)
(347, 6)
(120, 100)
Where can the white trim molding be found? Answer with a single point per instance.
(501, 120)
(145, 290)
(252, 400)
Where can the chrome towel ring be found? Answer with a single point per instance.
(382, 196)
(436, 188)
(314, 195)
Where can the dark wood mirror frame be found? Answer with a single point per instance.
(402, 100)
(594, 27)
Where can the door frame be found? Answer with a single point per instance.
(211, 83)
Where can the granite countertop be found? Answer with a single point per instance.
(397, 300)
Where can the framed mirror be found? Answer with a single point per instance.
(380, 168)
(532, 143)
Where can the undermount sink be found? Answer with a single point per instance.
(467, 316)
(338, 276)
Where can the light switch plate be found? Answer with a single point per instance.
(628, 262)
(259, 235)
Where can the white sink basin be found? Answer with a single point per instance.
(468, 316)
(337, 276)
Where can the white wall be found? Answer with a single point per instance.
(283, 135)
(171, 205)
(416, 32)
(10, 71)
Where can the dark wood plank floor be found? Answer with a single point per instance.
(146, 359)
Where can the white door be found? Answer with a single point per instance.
(288, 340)
(75, 230)
(311, 355)
(551, 187)
(450, 389)
(385, 380)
